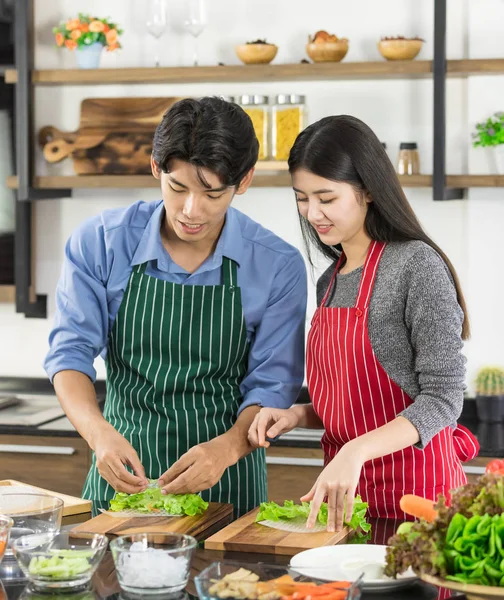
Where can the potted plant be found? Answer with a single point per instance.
(490, 394)
(490, 135)
(88, 36)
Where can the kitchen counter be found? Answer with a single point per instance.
(490, 436)
(105, 585)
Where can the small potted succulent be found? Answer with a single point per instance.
(88, 35)
(490, 394)
(489, 134)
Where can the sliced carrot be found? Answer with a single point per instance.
(340, 584)
(418, 507)
(335, 595)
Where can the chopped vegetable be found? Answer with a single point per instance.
(59, 567)
(465, 542)
(271, 511)
(418, 507)
(152, 501)
(245, 585)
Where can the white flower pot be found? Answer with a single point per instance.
(495, 156)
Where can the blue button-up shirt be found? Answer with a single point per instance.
(99, 258)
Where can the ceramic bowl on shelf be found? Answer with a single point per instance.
(256, 53)
(327, 51)
(400, 48)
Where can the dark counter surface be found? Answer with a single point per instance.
(105, 585)
(490, 436)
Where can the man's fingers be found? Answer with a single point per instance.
(183, 484)
(134, 462)
(182, 464)
(117, 483)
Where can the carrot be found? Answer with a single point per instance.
(334, 595)
(339, 585)
(418, 507)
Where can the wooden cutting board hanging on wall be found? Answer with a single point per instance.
(127, 126)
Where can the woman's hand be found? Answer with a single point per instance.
(271, 422)
(338, 482)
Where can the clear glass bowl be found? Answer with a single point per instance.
(59, 561)
(5, 525)
(153, 563)
(217, 570)
(31, 513)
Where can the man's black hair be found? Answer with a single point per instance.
(208, 133)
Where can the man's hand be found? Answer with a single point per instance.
(113, 454)
(200, 468)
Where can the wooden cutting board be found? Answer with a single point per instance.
(71, 504)
(201, 526)
(128, 125)
(245, 535)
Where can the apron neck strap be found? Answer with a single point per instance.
(229, 272)
(368, 277)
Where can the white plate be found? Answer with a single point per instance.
(333, 563)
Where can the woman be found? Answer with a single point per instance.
(201, 313)
(384, 365)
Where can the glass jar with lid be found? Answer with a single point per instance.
(257, 108)
(288, 120)
(408, 162)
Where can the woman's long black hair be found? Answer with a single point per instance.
(344, 149)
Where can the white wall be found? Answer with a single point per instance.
(469, 231)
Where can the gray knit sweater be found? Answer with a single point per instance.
(415, 325)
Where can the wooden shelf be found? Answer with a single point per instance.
(273, 179)
(263, 73)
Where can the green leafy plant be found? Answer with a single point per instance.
(490, 132)
(86, 30)
(490, 382)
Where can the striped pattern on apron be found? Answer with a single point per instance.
(352, 394)
(176, 357)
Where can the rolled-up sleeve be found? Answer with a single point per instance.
(80, 327)
(276, 360)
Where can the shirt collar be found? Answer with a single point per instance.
(150, 247)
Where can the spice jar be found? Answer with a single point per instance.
(288, 116)
(257, 108)
(408, 162)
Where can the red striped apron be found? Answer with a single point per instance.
(352, 394)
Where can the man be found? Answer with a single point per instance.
(199, 312)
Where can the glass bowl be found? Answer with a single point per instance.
(57, 561)
(5, 525)
(205, 581)
(31, 513)
(153, 563)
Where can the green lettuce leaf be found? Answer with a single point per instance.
(152, 501)
(271, 511)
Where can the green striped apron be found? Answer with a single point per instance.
(175, 359)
